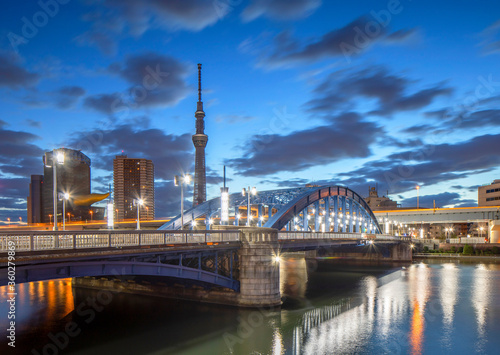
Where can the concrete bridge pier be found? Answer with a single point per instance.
(494, 231)
(259, 268)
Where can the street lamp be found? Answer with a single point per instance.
(91, 215)
(418, 188)
(57, 158)
(249, 192)
(139, 202)
(8, 221)
(481, 229)
(180, 181)
(50, 219)
(64, 197)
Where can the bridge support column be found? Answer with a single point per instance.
(259, 268)
(305, 221)
(336, 214)
(316, 216)
(343, 214)
(494, 231)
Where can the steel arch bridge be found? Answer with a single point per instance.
(329, 208)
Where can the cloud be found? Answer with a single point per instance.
(490, 39)
(443, 199)
(279, 9)
(401, 36)
(346, 42)
(114, 19)
(156, 81)
(13, 75)
(34, 123)
(174, 156)
(18, 154)
(297, 182)
(430, 164)
(108, 104)
(348, 136)
(389, 91)
(19, 158)
(67, 96)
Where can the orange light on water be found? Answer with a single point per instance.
(417, 330)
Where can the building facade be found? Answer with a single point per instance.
(377, 203)
(489, 195)
(73, 177)
(133, 179)
(35, 205)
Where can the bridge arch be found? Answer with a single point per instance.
(51, 271)
(342, 210)
(347, 210)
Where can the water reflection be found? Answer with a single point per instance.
(293, 277)
(346, 309)
(481, 301)
(448, 296)
(419, 288)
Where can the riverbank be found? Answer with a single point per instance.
(457, 256)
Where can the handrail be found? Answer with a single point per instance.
(64, 240)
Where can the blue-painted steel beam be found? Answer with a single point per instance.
(49, 271)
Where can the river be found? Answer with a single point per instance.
(330, 307)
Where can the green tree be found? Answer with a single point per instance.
(468, 249)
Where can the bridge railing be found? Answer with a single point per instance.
(295, 235)
(58, 240)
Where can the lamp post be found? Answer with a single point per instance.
(481, 229)
(139, 202)
(91, 215)
(252, 191)
(180, 181)
(8, 221)
(64, 197)
(50, 219)
(418, 188)
(57, 158)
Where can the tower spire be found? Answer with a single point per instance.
(199, 82)
(200, 140)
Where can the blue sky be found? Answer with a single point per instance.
(397, 93)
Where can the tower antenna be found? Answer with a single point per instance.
(199, 82)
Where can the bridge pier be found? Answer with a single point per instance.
(259, 268)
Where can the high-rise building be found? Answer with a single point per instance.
(133, 179)
(489, 195)
(73, 177)
(35, 206)
(200, 140)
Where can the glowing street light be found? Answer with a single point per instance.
(248, 193)
(64, 197)
(138, 202)
(418, 188)
(180, 181)
(56, 159)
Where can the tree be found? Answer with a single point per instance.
(468, 249)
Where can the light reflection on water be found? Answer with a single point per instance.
(427, 308)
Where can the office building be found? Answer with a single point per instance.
(73, 177)
(489, 195)
(35, 206)
(133, 179)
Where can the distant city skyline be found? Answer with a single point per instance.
(399, 93)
